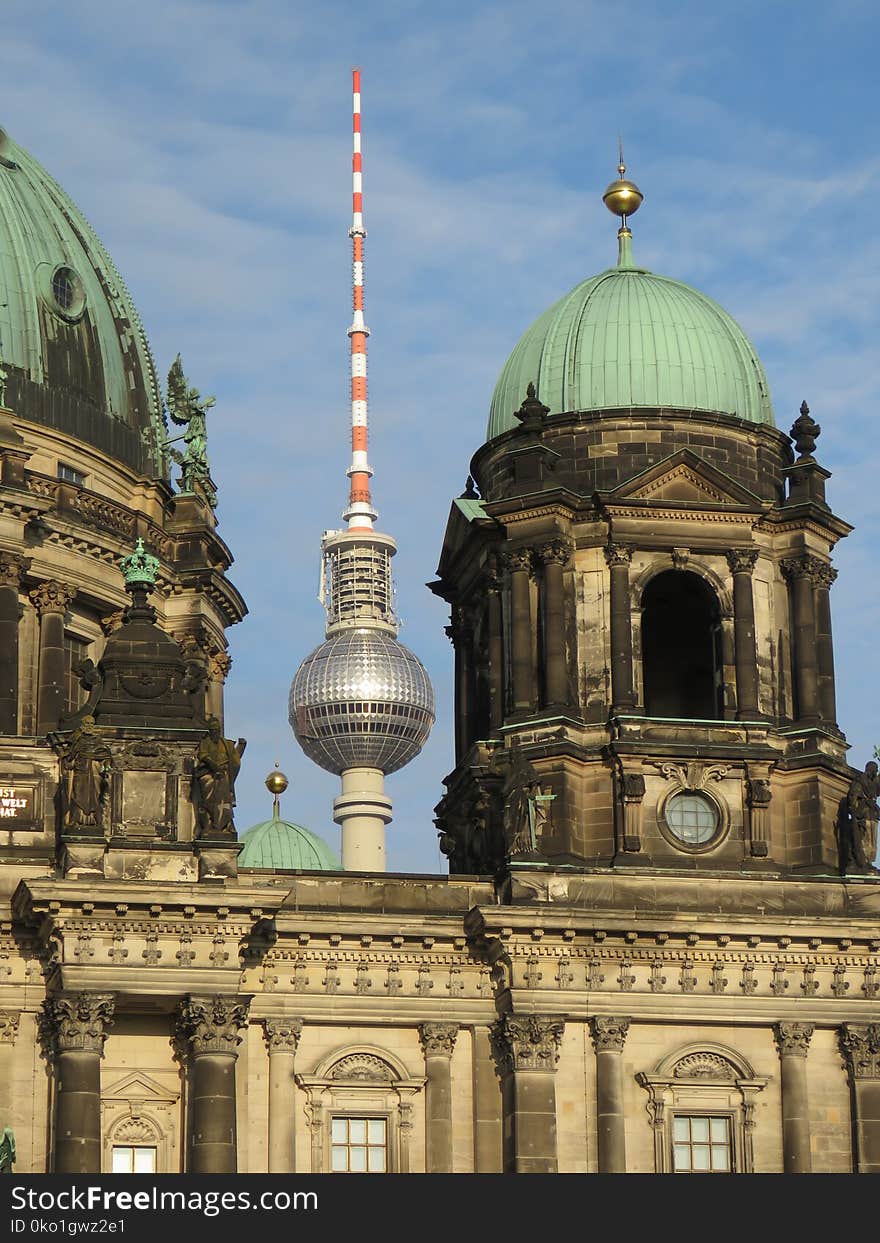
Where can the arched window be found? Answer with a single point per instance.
(681, 648)
(702, 1111)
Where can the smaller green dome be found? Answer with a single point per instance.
(288, 847)
(629, 339)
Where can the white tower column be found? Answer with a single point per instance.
(363, 809)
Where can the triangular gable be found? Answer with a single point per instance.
(138, 1086)
(684, 477)
(463, 513)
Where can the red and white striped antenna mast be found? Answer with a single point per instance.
(360, 514)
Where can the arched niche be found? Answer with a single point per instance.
(681, 640)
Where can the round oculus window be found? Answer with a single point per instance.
(692, 818)
(67, 292)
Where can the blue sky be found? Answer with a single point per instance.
(209, 144)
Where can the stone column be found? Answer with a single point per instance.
(496, 648)
(282, 1038)
(51, 599)
(9, 1021)
(742, 563)
(619, 557)
(793, 1042)
(609, 1035)
(860, 1045)
(488, 1156)
(11, 569)
(825, 576)
(75, 1029)
(212, 1029)
(438, 1042)
(523, 671)
(555, 555)
(461, 635)
(528, 1050)
(801, 573)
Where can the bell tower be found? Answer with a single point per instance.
(639, 576)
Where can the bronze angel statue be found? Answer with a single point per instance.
(187, 408)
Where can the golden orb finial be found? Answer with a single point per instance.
(622, 197)
(276, 784)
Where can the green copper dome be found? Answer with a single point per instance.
(71, 340)
(628, 338)
(279, 844)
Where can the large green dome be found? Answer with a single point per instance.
(629, 338)
(71, 339)
(279, 844)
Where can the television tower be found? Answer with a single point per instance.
(361, 705)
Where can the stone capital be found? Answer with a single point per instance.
(282, 1035)
(617, 554)
(860, 1046)
(218, 666)
(826, 575)
(793, 1039)
(804, 566)
(555, 551)
(12, 567)
(609, 1033)
(51, 596)
(212, 1024)
(77, 1023)
(742, 560)
(520, 560)
(9, 1026)
(528, 1042)
(438, 1039)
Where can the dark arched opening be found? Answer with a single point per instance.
(681, 648)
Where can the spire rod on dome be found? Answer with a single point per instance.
(623, 198)
(360, 514)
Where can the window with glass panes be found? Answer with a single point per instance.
(359, 1145)
(75, 651)
(134, 1160)
(701, 1145)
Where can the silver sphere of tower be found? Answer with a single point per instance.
(361, 700)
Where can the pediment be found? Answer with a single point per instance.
(138, 1086)
(685, 478)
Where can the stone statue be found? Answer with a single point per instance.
(188, 409)
(7, 1151)
(859, 832)
(92, 680)
(217, 763)
(85, 778)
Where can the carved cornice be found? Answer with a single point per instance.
(804, 566)
(9, 1026)
(609, 1033)
(52, 596)
(793, 1039)
(742, 560)
(212, 1024)
(78, 1023)
(438, 1039)
(555, 551)
(282, 1035)
(12, 567)
(860, 1046)
(528, 1042)
(617, 554)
